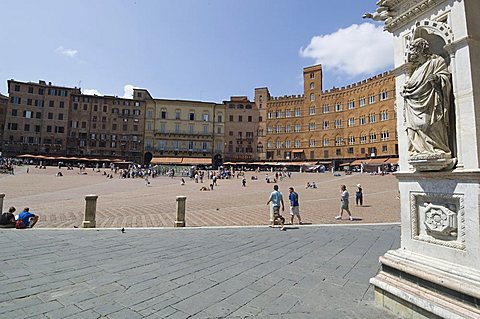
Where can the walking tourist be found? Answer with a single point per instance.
(294, 208)
(344, 203)
(276, 199)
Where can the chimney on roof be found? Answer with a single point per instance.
(50, 83)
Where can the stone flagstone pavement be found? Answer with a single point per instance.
(248, 272)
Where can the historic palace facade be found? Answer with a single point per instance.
(353, 122)
(183, 129)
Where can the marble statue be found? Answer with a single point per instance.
(383, 13)
(427, 103)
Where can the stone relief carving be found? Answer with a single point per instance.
(427, 97)
(443, 218)
(440, 219)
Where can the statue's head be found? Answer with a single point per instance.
(419, 50)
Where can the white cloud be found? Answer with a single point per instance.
(91, 92)
(71, 53)
(128, 91)
(356, 50)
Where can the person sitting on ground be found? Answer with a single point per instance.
(182, 182)
(313, 185)
(59, 174)
(7, 220)
(211, 186)
(27, 218)
(204, 189)
(308, 185)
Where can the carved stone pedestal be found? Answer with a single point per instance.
(436, 272)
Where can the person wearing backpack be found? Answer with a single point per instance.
(27, 219)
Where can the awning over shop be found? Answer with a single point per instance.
(196, 161)
(376, 161)
(345, 164)
(166, 160)
(182, 160)
(357, 162)
(297, 151)
(392, 161)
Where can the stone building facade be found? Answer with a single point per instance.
(181, 128)
(37, 118)
(106, 127)
(342, 124)
(3, 113)
(242, 125)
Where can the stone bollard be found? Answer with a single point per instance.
(2, 196)
(180, 221)
(90, 211)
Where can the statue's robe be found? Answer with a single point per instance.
(427, 106)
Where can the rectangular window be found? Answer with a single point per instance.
(50, 116)
(338, 107)
(351, 121)
(60, 116)
(205, 129)
(361, 102)
(298, 112)
(191, 116)
(177, 114)
(371, 99)
(240, 118)
(191, 128)
(177, 128)
(51, 103)
(249, 118)
(312, 127)
(231, 118)
(326, 125)
(163, 115)
(312, 110)
(383, 95)
(338, 123)
(205, 117)
(219, 118)
(326, 108)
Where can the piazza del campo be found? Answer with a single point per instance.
(151, 207)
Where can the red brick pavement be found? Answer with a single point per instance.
(129, 203)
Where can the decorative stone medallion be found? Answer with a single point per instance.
(438, 219)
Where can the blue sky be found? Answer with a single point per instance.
(203, 50)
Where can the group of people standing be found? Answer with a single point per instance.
(25, 219)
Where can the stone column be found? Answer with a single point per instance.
(90, 211)
(181, 204)
(2, 196)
